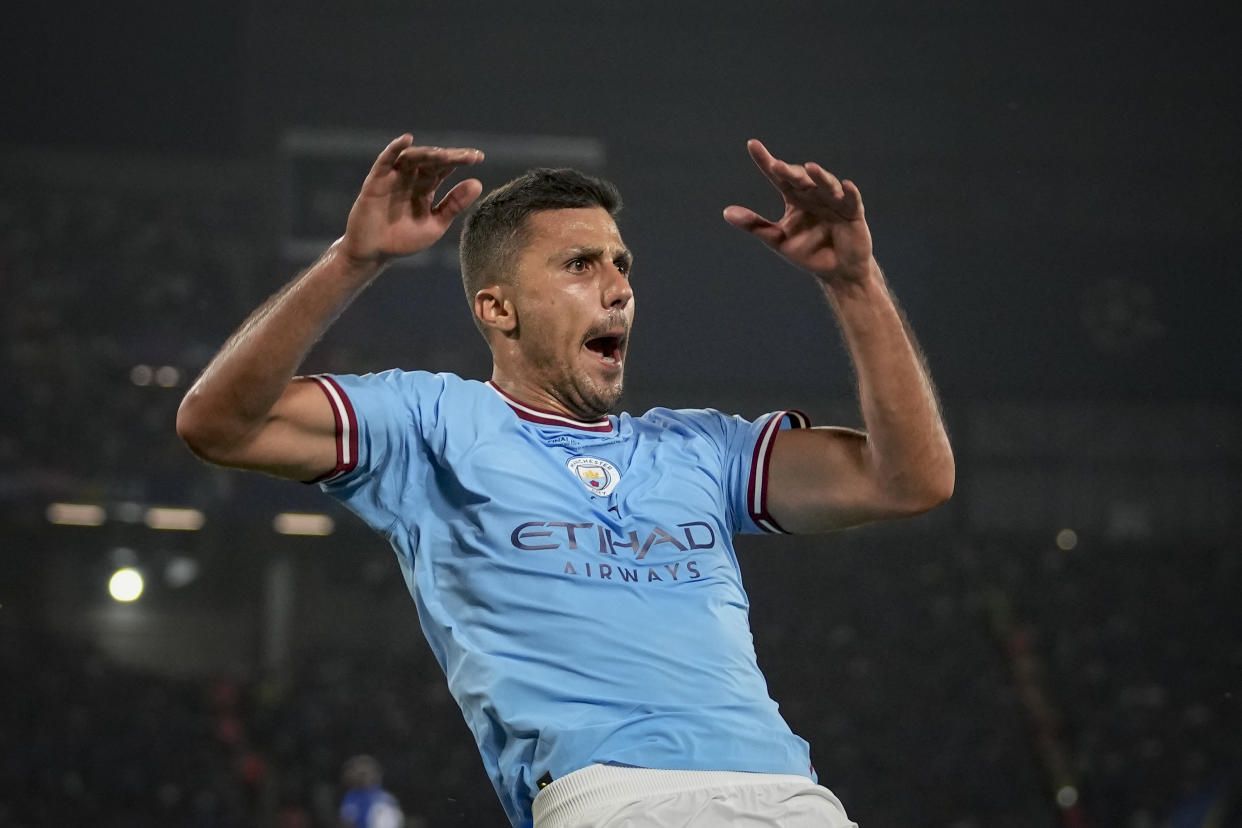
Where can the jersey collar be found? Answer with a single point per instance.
(538, 415)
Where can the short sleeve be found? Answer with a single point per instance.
(744, 450)
(380, 419)
(754, 469)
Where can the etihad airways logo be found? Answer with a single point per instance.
(547, 535)
(538, 535)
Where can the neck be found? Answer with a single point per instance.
(542, 398)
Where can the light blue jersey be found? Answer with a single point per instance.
(576, 581)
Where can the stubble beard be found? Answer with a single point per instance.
(585, 396)
(600, 400)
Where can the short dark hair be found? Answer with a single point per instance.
(496, 231)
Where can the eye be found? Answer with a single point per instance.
(578, 265)
(622, 265)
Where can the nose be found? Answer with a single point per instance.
(617, 291)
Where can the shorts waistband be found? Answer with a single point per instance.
(575, 793)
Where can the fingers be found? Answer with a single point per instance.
(403, 170)
(429, 166)
(411, 157)
(402, 155)
(824, 179)
(759, 153)
(807, 185)
(743, 218)
(753, 223)
(852, 198)
(459, 198)
(784, 177)
(426, 167)
(388, 158)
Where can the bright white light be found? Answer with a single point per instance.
(297, 523)
(125, 584)
(76, 514)
(180, 520)
(167, 376)
(141, 375)
(1067, 539)
(1067, 796)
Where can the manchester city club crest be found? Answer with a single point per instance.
(599, 476)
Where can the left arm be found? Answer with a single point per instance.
(831, 478)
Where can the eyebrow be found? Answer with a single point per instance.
(595, 253)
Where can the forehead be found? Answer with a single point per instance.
(550, 230)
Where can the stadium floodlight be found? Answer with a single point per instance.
(178, 520)
(76, 514)
(298, 523)
(125, 585)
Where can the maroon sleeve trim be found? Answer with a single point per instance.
(346, 428)
(757, 488)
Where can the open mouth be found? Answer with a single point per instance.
(610, 348)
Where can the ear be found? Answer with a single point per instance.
(494, 309)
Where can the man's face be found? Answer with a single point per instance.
(574, 308)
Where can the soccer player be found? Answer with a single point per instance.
(573, 569)
(366, 804)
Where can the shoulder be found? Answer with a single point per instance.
(690, 423)
(396, 386)
(397, 379)
(730, 432)
(691, 418)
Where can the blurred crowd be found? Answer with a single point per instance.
(888, 660)
(1142, 656)
(90, 743)
(105, 286)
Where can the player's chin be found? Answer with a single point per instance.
(604, 392)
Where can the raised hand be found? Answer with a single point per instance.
(395, 214)
(823, 229)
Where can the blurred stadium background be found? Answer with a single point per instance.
(1053, 193)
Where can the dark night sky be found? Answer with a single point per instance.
(1052, 192)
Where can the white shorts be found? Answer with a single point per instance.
(606, 796)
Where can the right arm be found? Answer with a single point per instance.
(247, 410)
